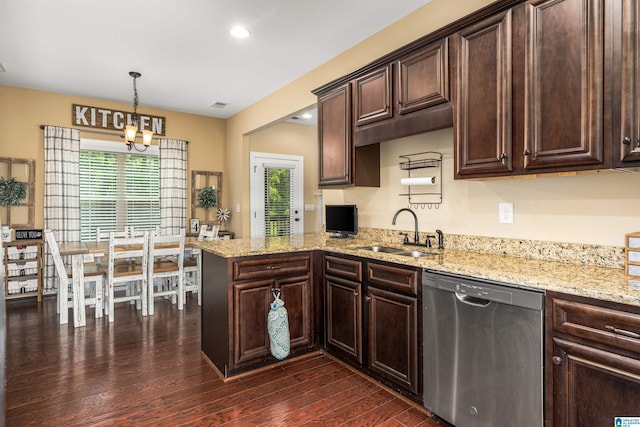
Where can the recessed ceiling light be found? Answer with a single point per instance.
(240, 32)
(307, 116)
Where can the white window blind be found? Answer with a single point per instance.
(277, 201)
(117, 189)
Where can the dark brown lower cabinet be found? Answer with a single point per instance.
(237, 293)
(344, 317)
(252, 305)
(372, 321)
(593, 361)
(393, 337)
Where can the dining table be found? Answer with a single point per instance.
(87, 252)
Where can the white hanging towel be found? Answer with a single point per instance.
(278, 327)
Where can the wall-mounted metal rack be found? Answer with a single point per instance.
(417, 195)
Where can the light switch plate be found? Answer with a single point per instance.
(309, 207)
(505, 213)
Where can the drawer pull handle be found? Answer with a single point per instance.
(557, 360)
(622, 332)
(273, 267)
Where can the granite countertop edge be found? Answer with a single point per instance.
(608, 284)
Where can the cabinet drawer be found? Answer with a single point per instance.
(26, 268)
(346, 268)
(612, 327)
(259, 268)
(21, 252)
(21, 286)
(401, 279)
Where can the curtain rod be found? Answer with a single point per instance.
(100, 132)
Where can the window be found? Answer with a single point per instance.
(277, 202)
(118, 188)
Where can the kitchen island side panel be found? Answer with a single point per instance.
(215, 310)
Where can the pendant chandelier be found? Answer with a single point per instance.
(131, 129)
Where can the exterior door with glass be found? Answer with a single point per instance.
(277, 195)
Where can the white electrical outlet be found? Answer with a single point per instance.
(238, 207)
(505, 213)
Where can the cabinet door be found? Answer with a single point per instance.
(564, 54)
(483, 119)
(627, 147)
(423, 78)
(296, 294)
(393, 337)
(335, 137)
(591, 386)
(372, 96)
(251, 307)
(344, 317)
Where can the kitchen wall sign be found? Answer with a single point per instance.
(108, 119)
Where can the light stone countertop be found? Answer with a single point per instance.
(609, 284)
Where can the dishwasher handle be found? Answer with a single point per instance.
(474, 301)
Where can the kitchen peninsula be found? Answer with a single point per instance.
(591, 312)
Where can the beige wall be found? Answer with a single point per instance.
(297, 95)
(298, 140)
(597, 208)
(22, 112)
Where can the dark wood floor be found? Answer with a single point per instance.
(149, 371)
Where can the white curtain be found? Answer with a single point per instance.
(61, 191)
(173, 185)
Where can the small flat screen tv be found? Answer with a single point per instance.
(341, 220)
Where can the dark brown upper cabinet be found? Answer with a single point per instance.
(341, 163)
(404, 97)
(335, 137)
(423, 78)
(373, 96)
(626, 142)
(530, 90)
(564, 85)
(483, 117)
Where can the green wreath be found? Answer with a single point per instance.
(208, 197)
(12, 191)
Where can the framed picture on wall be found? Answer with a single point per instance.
(194, 226)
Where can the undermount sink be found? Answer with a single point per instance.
(416, 254)
(385, 249)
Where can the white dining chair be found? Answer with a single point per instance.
(78, 300)
(103, 236)
(128, 258)
(133, 232)
(166, 268)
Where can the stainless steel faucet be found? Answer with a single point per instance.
(416, 238)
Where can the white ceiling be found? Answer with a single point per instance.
(183, 48)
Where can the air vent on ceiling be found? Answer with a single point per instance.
(218, 105)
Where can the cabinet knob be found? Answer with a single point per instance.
(626, 140)
(367, 298)
(527, 152)
(503, 156)
(557, 360)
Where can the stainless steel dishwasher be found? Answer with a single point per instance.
(482, 351)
